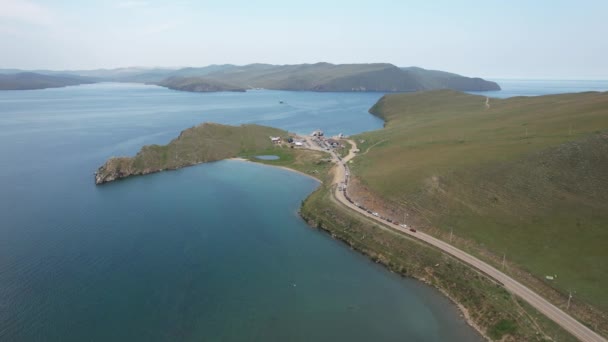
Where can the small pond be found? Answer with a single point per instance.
(267, 157)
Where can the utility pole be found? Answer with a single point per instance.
(569, 299)
(451, 234)
(504, 257)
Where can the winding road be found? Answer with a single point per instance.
(560, 317)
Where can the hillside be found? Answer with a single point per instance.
(148, 75)
(525, 177)
(30, 80)
(380, 77)
(200, 144)
(435, 79)
(198, 85)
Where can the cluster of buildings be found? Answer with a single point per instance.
(319, 138)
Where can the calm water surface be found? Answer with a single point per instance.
(214, 252)
(514, 87)
(267, 157)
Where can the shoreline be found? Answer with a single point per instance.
(464, 312)
(341, 175)
(276, 166)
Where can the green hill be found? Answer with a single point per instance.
(200, 144)
(148, 75)
(524, 176)
(30, 80)
(199, 85)
(379, 77)
(435, 79)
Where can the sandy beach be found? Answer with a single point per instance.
(277, 166)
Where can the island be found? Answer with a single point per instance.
(31, 81)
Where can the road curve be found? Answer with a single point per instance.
(560, 317)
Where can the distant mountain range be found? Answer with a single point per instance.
(197, 84)
(322, 77)
(30, 80)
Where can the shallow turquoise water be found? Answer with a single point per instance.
(214, 252)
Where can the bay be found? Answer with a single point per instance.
(214, 252)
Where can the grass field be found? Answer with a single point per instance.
(499, 315)
(525, 177)
(313, 163)
(200, 144)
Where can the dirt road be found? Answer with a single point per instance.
(554, 313)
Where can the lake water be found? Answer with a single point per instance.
(267, 157)
(514, 87)
(214, 252)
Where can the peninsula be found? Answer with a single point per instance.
(518, 156)
(200, 144)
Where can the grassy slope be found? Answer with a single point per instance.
(490, 306)
(524, 177)
(435, 79)
(313, 163)
(500, 315)
(330, 77)
(203, 143)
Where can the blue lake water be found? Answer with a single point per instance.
(214, 252)
(514, 87)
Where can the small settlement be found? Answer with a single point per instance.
(317, 137)
(329, 144)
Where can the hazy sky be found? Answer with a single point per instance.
(530, 39)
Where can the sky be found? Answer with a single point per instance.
(493, 38)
